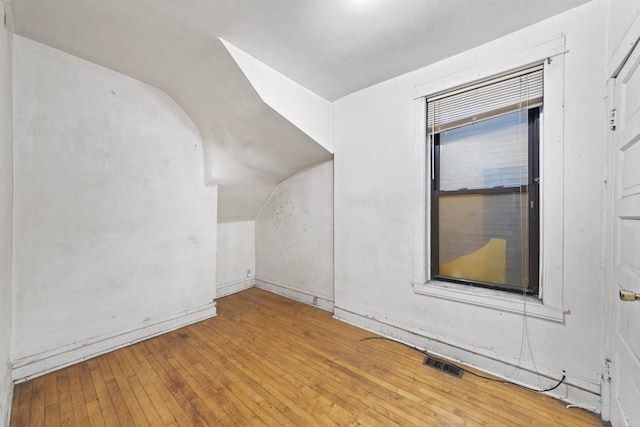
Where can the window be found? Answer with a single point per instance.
(465, 72)
(484, 182)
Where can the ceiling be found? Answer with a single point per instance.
(331, 47)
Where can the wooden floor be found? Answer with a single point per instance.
(266, 360)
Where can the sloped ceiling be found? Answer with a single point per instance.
(331, 47)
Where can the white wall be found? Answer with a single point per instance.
(309, 112)
(623, 24)
(374, 221)
(294, 238)
(6, 210)
(114, 231)
(236, 262)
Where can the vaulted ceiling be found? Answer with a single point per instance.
(330, 47)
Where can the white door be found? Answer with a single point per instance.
(625, 339)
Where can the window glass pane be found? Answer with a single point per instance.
(483, 238)
(488, 154)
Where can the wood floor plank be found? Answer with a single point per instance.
(107, 408)
(438, 413)
(80, 414)
(308, 372)
(300, 390)
(132, 412)
(277, 389)
(37, 405)
(146, 406)
(94, 413)
(266, 360)
(86, 381)
(252, 387)
(155, 386)
(227, 385)
(64, 398)
(217, 410)
(197, 413)
(21, 407)
(341, 404)
(407, 377)
(117, 396)
(51, 407)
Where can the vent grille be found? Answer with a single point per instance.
(443, 366)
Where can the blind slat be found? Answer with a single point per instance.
(518, 91)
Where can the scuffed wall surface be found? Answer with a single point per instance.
(294, 234)
(115, 229)
(6, 209)
(236, 262)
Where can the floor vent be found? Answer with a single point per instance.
(443, 366)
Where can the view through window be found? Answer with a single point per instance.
(485, 179)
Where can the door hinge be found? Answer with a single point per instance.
(612, 119)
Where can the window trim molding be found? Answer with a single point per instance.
(492, 298)
(549, 304)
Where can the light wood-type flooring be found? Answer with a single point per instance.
(267, 360)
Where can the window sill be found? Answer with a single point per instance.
(490, 298)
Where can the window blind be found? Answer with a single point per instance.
(513, 92)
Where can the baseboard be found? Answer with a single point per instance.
(233, 287)
(295, 294)
(6, 397)
(61, 357)
(575, 391)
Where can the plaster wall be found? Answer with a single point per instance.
(236, 262)
(6, 208)
(374, 139)
(114, 231)
(623, 27)
(306, 110)
(248, 146)
(294, 238)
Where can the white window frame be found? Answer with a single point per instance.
(549, 303)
